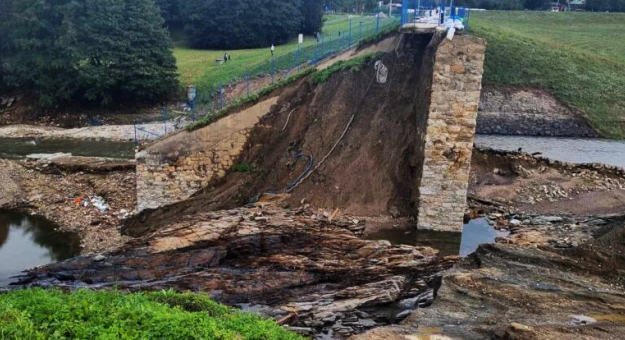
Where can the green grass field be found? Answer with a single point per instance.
(579, 57)
(199, 67)
(37, 314)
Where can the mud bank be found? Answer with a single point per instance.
(544, 186)
(50, 189)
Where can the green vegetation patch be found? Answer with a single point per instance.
(51, 314)
(577, 57)
(244, 168)
(254, 98)
(318, 77)
(353, 65)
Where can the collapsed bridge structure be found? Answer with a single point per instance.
(400, 146)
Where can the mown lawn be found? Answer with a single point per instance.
(38, 314)
(199, 67)
(579, 57)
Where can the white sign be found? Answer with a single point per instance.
(300, 39)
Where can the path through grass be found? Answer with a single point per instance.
(199, 66)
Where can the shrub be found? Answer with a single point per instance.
(51, 314)
(94, 51)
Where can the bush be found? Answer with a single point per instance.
(240, 24)
(94, 51)
(51, 314)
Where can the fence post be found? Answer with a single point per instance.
(442, 15)
(135, 126)
(298, 57)
(350, 32)
(165, 117)
(221, 95)
(377, 23)
(360, 31)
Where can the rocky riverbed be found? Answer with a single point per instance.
(558, 274)
(63, 191)
(309, 271)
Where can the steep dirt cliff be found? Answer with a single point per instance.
(369, 126)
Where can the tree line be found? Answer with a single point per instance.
(102, 52)
(120, 52)
(218, 24)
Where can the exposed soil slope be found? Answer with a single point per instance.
(369, 172)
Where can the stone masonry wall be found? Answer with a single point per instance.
(177, 167)
(451, 123)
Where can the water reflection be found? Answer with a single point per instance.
(475, 233)
(27, 241)
(16, 148)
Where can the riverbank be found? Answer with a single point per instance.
(59, 190)
(581, 67)
(313, 270)
(518, 111)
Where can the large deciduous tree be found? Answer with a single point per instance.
(94, 51)
(240, 24)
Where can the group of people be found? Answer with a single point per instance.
(227, 57)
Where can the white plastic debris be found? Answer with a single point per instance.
(99, 203)
(381, 72)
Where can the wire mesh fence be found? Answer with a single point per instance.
(344, 32)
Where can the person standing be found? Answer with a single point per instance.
(273, 48)
(225, 58)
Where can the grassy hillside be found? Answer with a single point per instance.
(579, 57)
(51, 314)
(199, 66)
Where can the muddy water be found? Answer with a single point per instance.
(16, 148)
(27, 241)
(474, 233)
(573, 150)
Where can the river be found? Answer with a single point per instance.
(28, 241)
(16, 148)
(474, 233)
(572, 150)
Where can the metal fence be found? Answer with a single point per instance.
(276, 67)
(433, 11)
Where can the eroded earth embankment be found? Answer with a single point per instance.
(368, 173)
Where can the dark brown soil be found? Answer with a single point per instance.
(369, 173)
(512, 178)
